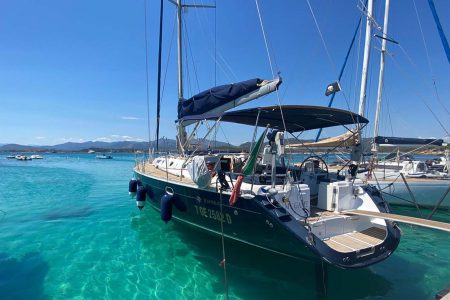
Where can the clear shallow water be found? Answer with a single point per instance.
(70, 231)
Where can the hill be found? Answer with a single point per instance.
(164, 145)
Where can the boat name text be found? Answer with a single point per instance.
(212, 214)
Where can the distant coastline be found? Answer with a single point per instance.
(170, 145)
(121, 146)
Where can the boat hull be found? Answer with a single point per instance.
(245, 222)
(249, 222)
(427, 193)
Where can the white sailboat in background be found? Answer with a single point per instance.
(428, 180)
(389, 174)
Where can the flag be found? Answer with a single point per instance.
(248, 168)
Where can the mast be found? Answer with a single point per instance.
(181, 134)
(181, 131)
(362, 95)
(180, 53)
(381, 76)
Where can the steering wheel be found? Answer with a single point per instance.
(310, 158)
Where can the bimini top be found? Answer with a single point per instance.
(296, 117)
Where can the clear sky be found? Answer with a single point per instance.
(75, 70)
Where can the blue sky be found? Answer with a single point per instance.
(75, 70)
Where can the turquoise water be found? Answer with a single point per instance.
(70, 231)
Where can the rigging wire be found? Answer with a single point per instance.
(186, 64)
(146, 72)
(168, 59)
(321, 37)
(227, 65)
(423, 38)
(270, 60)
(224, 258)
(289, 155)
(192, 56)
(224, 135)
(421, 98)
(225, 69)
(439, 98)
(327, 52)
(428, 58)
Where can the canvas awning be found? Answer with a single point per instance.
(296, 117)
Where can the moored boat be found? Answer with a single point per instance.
(261, 199)
(23, 157)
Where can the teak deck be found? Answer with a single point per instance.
(354, 241)
(150, 169)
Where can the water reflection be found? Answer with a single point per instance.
(253, 273)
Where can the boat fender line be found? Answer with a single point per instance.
(166, 207)
(132, 187)
(141, 194)
(177, 201)
(179, 204)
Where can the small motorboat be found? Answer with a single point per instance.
(104, 156)
(22, 157)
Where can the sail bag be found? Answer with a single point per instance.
(199, 172)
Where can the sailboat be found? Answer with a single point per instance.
(430, 185)
(259, 198)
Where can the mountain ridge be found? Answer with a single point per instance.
(164, 144)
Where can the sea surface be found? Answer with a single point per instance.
(69, 230)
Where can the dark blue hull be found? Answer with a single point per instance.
(255, 223)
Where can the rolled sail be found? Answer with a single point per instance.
(348, 139)
(225, 97)
(392, 140)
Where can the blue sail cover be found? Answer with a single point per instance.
(392, 140)
(215, 97)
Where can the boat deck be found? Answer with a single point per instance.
(149, 169)
(318, 214)
(390, 176)
(356, 241)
